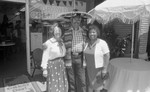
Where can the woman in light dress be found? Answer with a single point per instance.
(53, 63)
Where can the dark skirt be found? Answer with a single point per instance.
(57, 79)
(93, 81)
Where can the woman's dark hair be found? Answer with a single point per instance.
(92, 26)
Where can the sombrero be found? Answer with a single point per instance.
(73, 13)
(52, 21)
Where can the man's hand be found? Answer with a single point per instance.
(84, 65)
(45, 73)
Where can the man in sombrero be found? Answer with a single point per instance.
(74, 39)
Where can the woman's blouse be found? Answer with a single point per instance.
(101, 49)
(53, 50)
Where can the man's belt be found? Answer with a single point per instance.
(76, 53)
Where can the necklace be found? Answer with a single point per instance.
(91, 45)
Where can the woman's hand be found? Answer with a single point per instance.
(104, 70)
(68, 65)
(45, 73)
(105, 74)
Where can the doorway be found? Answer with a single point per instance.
(12, 39)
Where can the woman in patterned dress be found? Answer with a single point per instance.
(97, 56)
(53, 64)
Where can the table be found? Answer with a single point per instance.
(4, 45)
(127, 76)
(7, 44)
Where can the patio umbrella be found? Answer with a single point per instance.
(129, 11)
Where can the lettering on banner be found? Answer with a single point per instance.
(26, 87)
(36, 15)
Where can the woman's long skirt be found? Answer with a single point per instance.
(57, 79)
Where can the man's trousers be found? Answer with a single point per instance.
(76, 75)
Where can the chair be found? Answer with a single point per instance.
(36, 56)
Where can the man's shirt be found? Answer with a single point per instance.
(77, 41)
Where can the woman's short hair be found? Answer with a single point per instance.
(92, 26)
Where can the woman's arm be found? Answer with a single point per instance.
(106, 55)
(84, 60)
(45, 55)
(106, 62)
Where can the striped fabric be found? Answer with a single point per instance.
(68, 40)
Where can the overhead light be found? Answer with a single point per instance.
(18, 13)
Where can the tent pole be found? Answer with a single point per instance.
(132, 42)
(27, 37)
(74, 4)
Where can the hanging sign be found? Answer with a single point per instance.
(36, 14)
(51, 12)
(26, 87)
(45, 9)
(40, 10)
